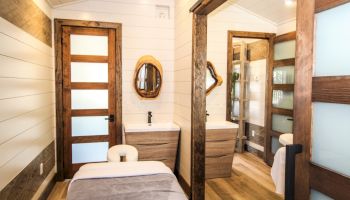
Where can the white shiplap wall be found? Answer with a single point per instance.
(230, 17)
(183, 76)
(27, 98)
(142, 34)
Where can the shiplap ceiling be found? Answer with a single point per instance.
(273, 10)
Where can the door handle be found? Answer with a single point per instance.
(291, 151)
(110, 118)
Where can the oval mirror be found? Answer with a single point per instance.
(213, 79)
(148, 77)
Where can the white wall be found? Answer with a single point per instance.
(230, 17)
(142, 34)
(183, 77)
(27, 98)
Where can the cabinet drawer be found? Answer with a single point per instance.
(151, 137)
(216, 148)
(218, 166)
(168, 162)
(221, 134)
(156, 151)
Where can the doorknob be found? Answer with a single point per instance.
(291, 151)
(110, 118)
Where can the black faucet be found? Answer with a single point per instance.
(149, 117)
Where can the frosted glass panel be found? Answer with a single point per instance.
(89, 72)
(332, 42)
(282, 99)
(283, 75)
(315, 195)
(284, 50)
(89, 45)
(282, 123)
(275, 144)
(331, 136)
(89, 99)
(89, 152)
(92, 125)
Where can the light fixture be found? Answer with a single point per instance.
(290, 3)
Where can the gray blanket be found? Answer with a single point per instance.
(149, 187)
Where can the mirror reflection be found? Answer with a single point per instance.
(148, 79)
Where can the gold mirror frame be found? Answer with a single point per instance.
(216, 77)
(150, 60)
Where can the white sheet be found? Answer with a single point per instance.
(120, 169)
(278, 170)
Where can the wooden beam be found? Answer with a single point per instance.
(89, 58)
(198, 108)
(331, 89)
(88, 86)
(204, 7)
(90, 112)
(247, 34)
(284, 62)
(330, 183)
(285, 37)
(322, 5)
(302, 94)
(285, 87)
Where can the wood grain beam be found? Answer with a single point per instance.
(322, 5)
(204, 7)
(331, 89)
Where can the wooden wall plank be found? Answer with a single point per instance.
(302, 94)
(29, 17)
(331, 89)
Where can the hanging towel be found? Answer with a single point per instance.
(278, 170)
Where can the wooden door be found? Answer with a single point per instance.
(322, 100)
(89, 95)
(279, 105)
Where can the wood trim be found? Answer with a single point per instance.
(248, 34)
(330, 183)
(59, 24)
(229, 75)
(89, 31)
(281, 111)
(331, 89)
(303, 94)
(46, 193)
(183, 183)
(216, 77)
(82, 85)
(87, 139)
(284, 62)
(88, 58)
(90, 112)
(29, 17)
(198, 105)
(204, 7)
(322, 5)
(284, 87)
(285, 37)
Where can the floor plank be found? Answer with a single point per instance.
(250, 180)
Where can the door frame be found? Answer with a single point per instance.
(270, 37)
(59, 23)
(306, 90)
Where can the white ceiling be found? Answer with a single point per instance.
(273, 10)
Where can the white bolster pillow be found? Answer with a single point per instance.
(115, 152)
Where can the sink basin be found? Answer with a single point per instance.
(131, 127)
(221, 125)
(286, 139)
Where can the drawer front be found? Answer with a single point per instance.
(151, 137)
(221, 134)
(218, 148)
(218, 166)
(156, 151)
(168, 162)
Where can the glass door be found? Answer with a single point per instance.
(279, 112)
(322, 100)
(89, 96)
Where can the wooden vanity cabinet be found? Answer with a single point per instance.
(220, 146)
(155, 146)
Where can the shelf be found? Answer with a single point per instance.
(236, 62)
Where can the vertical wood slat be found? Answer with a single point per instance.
(118, 80)
(198, 107)
(66, 62)
(229, 75)
(111, 86)
(302, 94)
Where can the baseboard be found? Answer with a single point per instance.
(47, 186)
(183, 183)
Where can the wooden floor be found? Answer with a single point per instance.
(250, 180)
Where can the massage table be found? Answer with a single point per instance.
(143, 180)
